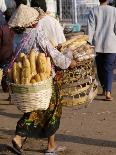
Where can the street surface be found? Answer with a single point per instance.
(84, 131)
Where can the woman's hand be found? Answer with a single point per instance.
(73, 64)
(59, 47)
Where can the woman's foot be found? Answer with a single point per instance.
(55, 150)
(50, 153)
(108, 96)
(17, 148)
(17, 144)
(18, 140)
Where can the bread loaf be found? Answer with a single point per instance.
(33, 81)
(43, 76)
(21, 55)
(32, 59)
(41, 63)
(26, 71)
(16, 73)
(37, 78)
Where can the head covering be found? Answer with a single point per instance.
(23, 16)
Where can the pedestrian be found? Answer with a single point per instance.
(38, 124)
(102, 34)
(51, 27)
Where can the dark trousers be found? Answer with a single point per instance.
(105, 65)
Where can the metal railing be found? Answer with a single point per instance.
(73, 11)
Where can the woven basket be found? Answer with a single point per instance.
(80, 73)
(78, 84)
(78, 96)
(32, 97)
(1, 74)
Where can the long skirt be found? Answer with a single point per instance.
(42, 124)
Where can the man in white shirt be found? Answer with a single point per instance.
(51, 27)
(102, 34)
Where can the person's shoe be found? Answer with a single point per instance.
(60, 148)
(50, 153)
(108, 98)
(17, 148)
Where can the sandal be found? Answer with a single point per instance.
(50, 153)
(60, 149)
(109, 98)
(17, 148)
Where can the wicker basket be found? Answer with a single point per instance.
(32, 97)
(78, 84)
(76, 96)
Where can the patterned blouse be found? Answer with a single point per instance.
(35, 38)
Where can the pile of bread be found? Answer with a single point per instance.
(81, 50)
(30, 69)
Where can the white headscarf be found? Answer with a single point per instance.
(3, 5)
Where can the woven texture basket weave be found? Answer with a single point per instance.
(79, 85)
(32, 97)
(79, 95)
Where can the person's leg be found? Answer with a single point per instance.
(100, 69)
(18, 140)
(108, 72)
(51, 143)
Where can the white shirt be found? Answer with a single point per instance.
(2, 5)
(102, 28)
(53, 30)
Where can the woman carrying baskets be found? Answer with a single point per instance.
(39, 123)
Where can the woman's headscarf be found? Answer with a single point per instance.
(23, 16)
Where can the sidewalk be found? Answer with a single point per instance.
(86, 131)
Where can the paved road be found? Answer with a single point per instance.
(86, 131)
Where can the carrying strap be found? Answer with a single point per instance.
(17, 51)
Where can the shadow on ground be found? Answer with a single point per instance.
(11, 115)
(87, 141)
(7, 150)
(6, 132)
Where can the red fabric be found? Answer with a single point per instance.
(6, 49)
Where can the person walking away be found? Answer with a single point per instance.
(51, 27)
(102, 34)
